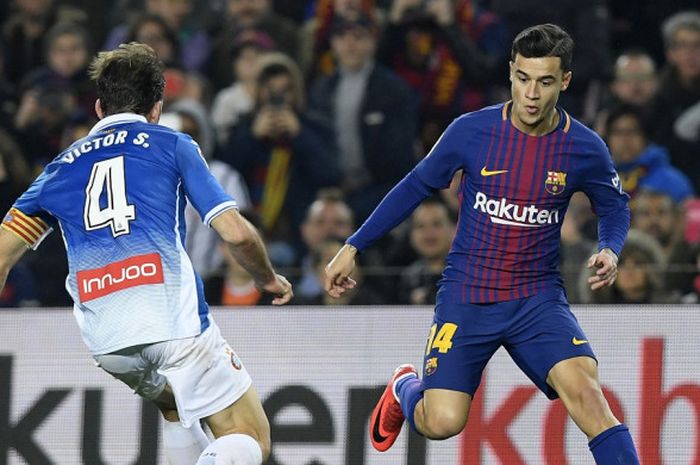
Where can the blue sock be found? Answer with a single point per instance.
(614, 446)
(410, 391)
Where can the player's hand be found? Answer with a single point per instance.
(605, 263)
(338, 271)
(281, 288)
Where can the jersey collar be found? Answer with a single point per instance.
(118, 118)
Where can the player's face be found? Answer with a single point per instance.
(535, 87)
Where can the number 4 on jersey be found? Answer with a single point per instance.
(108, 175)
(443, 341)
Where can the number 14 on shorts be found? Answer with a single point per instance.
(442, 339)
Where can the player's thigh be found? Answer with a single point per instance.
(204, 373)
(461, 341)
(136, 371)
(576, 382)
(245, 416)
(545, 332)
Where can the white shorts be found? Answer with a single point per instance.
(204, 373)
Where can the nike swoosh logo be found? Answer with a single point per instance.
(375, 428)
(578, 342)
(485, 172)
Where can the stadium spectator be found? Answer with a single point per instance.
(372, 111)
(687, 126)
(8, 94)
(195, 44)
(656, 214)
(15, 173)
(639, 162)
(640, 278)
(250, 14)
(635, 79)
(432, 230)
(635, 82)
(77, 127)
(588, 23)
(322, 255)
(237, 99)
(202, 243)
(68, 50)
(315, 55)
(447, 52)
(43, 113)
(284, 154)
(679, 90)
(327, 217)
(20, 288)
(231, 285)
(24, 33)
(693, 294)
(575, 245)
(151, 29)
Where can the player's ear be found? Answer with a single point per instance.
(566, 80)
(98, 109)
(510, 70)
(153, 116)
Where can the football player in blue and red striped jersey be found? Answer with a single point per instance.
(520, 162)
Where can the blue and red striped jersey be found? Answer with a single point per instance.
(514, 192)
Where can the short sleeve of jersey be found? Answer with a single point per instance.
(26, 219)
(602, 183)
(203, 190)
(439, 166)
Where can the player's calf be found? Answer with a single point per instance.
(439, 421)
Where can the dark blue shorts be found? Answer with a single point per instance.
(537, 331)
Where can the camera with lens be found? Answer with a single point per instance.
(277, 100)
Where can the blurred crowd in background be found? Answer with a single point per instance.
(309, 111)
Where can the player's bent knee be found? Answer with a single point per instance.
(443, 424)
(235, 449)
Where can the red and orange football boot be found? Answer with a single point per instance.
(387, 418)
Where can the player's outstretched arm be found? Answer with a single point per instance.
(338, 270)
(248, 249)
(605, 263)
(11, 250)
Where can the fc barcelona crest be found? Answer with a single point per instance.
(431, 366)
(555, 183)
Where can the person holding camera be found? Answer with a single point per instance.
(450, 52)
(284, 154)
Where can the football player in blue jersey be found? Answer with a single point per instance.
(118, 196)
(520, 162)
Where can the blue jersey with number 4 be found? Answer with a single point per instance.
(119, 197)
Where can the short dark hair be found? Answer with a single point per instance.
(544, 40)
(129, 79)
